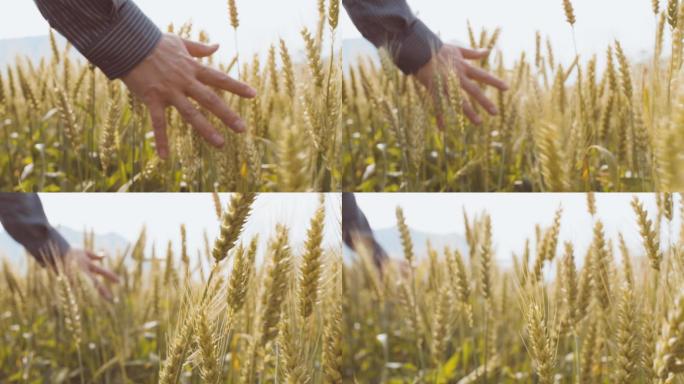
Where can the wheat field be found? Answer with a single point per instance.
(223, 317)
(561, 126)
(447, 317)
(65, 127)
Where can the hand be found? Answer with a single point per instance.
(170, 75)
(454, 58)
(78, 260)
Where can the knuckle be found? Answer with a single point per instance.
(218, 75)
(153, 92)
(200, 95)
(193, 114)
(232, 118)
(202, 70)
(216, 101)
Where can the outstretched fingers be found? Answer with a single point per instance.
(218, 79)
(212, 102)
(476, 92)
(481, 75)
(101, 288)
(471, 114)
(198, 121)
(104, 272)
(158, 116)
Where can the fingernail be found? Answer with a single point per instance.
(217, 139)
(163, 153)
(251, 92)
(240, 126)
(494, 110)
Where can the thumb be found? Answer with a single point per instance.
(198, 49)
(94, 256)
(474, 54)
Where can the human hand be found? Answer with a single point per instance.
(81, 261)
(454, 58)
(170, 75)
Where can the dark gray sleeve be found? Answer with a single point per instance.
(114, 35)
(355, 228)
(23, 218)
(392, 24)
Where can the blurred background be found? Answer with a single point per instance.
(117, 219)
(598, 24)
(439, 218)
(262, 22)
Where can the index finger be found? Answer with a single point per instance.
(219, 79)
(209, 100)
(480, 74)
(158, 117)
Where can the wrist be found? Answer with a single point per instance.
(130, 39)
(52, 249)
(416, 48)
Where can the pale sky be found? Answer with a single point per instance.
(163, 213)
(262, 22)
(599, 22)
(513, 215)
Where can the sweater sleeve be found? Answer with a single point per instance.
(355, 228)
(114, 35)
(391, 24)
(22, 216)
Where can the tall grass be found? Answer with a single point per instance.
(561, 126)
(615, 317)
(65, 127)
(245, 322)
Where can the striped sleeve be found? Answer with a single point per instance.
(391, 24)
(357, 233)
(114, 35)
(22, 216)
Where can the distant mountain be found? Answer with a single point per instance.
(37, 47)
(391, 242)
(107, 242)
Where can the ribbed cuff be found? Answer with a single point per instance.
(415, 49)
(53, 248)
(130, 40)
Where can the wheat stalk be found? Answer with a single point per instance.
(648, 234)
(233, 13)
(232, 223)
(310, 270)
(569, 12)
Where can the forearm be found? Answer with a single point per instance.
(23, 218)
(357, 233)
(391, 24)
(114, 35)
